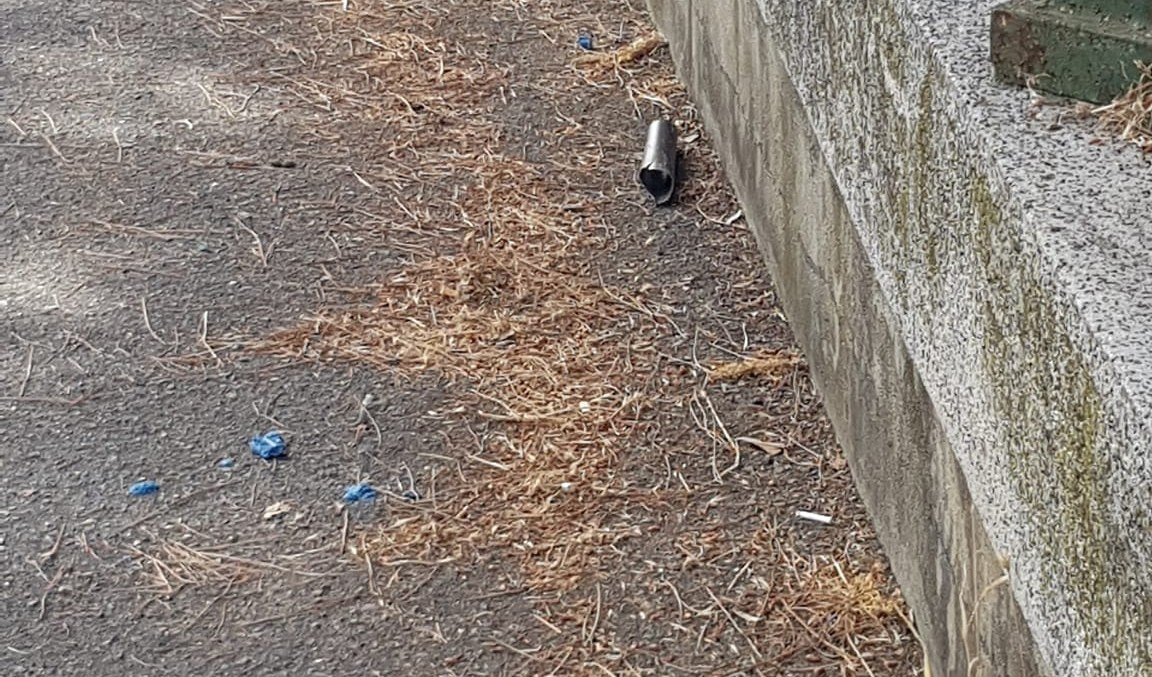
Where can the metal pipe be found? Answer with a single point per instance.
(658, 171)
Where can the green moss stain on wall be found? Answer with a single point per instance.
(910, 143)
(1051, 412)
(937, 222)
(926, 161)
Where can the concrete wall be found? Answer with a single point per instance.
(995, 420)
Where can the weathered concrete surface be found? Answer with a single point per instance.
(971, 284)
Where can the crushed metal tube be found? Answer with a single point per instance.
(658, 171)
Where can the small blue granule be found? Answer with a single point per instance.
(268, 446)
(146, 488)
(359, 493)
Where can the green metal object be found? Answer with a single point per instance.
(1136, 11)
(1083, 49)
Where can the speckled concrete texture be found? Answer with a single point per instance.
(1011, 254)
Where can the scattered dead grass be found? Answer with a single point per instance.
(564, 372)
(552, 356)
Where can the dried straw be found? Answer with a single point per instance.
(1129, 116)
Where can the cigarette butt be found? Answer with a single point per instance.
(813, 517)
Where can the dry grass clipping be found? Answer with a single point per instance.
(760, 365)
(173, 565)
(639, 48)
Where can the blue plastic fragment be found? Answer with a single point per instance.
(359, 493)
(584, 41)
(268, 446)
(226, 463)
(146, 488)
